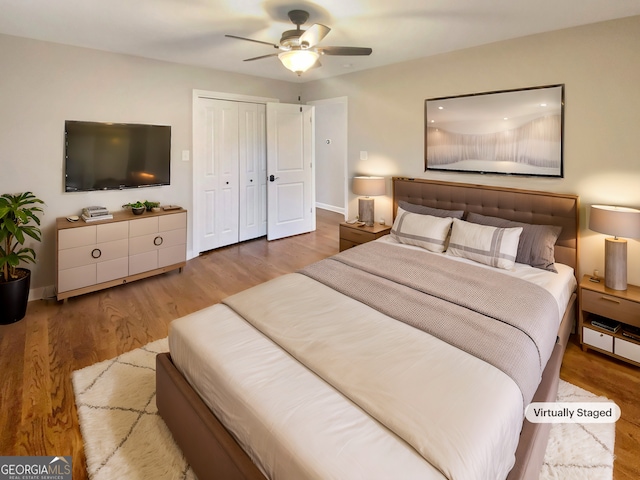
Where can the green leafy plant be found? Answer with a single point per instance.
(17, 212)
(134, 205)
(150, 205)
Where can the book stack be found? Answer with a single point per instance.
(631, 332)
(605, 324)
(95, 214)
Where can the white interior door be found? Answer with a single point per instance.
(290, 170)
(253, 171)
(216, 173)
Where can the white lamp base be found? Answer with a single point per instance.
(615, 263)
(365, 211)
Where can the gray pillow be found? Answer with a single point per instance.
(536, 245)
(434, 212)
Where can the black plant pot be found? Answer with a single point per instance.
(14, 297)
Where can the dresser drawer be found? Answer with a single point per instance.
(597, 339)
(143, 226)
(77, 237)
(100, 252)
(356, 236)
(619, 309)
(172, 255)
(172, 222)
(112, 269)
(156, 241)
(627, 349)
(77, 277)
(110, 232)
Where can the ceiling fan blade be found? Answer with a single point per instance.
(344, 50)
(315, 65)
(252, 40)
(313, 35)
(260, 57)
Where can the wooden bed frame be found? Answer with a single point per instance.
(213, 452)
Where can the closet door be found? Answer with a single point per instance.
(253, 171)
(216, 172)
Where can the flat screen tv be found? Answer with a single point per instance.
(114, 156)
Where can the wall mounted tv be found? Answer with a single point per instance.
(114, 156)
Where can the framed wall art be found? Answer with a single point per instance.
(510, 132)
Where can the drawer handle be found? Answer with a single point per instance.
(609, 299)
(96, 253)
(157, 241)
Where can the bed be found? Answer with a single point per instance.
(362, 366)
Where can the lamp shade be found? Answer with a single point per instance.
(369, 186)
(298, 61)
(616, 221)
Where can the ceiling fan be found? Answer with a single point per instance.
(299, 50)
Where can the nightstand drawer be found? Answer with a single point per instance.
(627, 349)
(597, 339)
(346, 244)
(356, 236)
(619, 309)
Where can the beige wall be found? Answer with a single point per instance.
(43, 84)
(600, 69)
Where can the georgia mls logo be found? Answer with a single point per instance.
(63, 464)
(35, 468)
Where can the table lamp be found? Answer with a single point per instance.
(368, 186)
(619, 222)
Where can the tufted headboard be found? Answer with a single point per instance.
(540, 208)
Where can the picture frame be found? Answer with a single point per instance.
(506, 132)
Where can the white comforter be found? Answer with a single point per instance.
(461, 413)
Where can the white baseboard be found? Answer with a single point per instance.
(331, 208)
(40, 293)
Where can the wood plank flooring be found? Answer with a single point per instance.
(38, 354)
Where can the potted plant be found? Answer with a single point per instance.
(18, 214)
(137, 208)
(152, 206)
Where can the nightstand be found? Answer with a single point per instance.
(352, 235)
(598, 302)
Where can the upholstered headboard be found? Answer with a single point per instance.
(540, 208)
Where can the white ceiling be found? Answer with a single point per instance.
(192, 31)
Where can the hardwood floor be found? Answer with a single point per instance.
(38, 354)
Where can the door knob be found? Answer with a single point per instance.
(272, 178)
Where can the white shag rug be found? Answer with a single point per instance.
(124, 437)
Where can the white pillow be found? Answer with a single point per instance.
(424, 231)
(485, 244)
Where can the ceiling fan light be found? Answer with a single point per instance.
(298, 61)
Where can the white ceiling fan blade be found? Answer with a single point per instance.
(260, 57)
(252, 40)
(344, 50)
(313, 35)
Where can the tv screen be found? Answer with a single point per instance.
(113, 156)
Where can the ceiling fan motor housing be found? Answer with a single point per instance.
(298, 17)
(291, 39)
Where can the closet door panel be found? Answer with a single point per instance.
(253, 172)
(226, 152)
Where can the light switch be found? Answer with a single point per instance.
(185, 155)
(364, 155)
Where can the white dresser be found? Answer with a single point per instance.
(93, 256)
